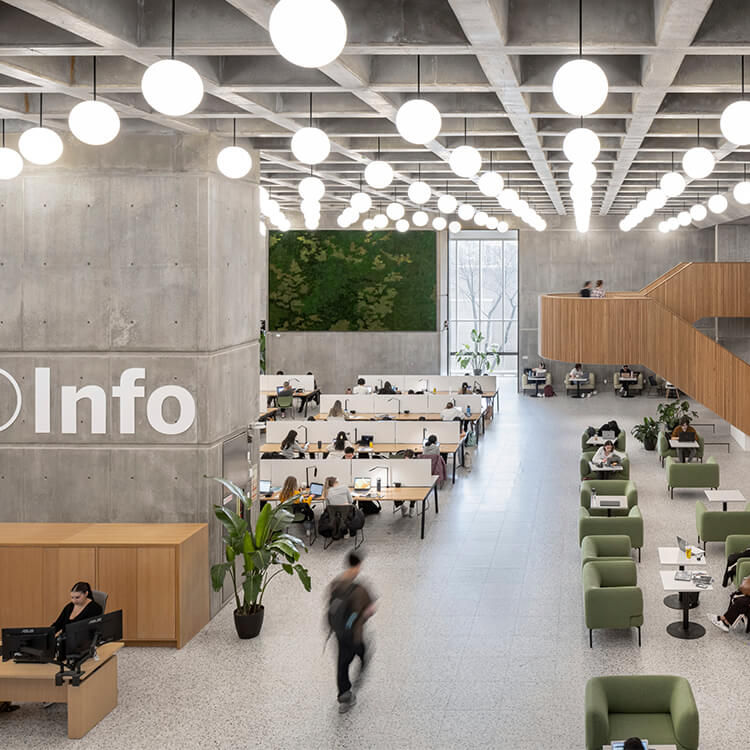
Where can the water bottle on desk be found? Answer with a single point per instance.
(468, 410)
(593, 496)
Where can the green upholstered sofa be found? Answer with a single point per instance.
(691, 475)
(630, 526)
(586, 386)
(611, 597)
(605, 487)
(619, 442)
(664, 449)
(526, 386)
(717, 525)
(636, 387)
(736, 543)
(586, 473)
(659, 708)
(605, 547)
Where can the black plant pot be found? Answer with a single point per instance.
(248, 626)
(477, 371)
(649, 444)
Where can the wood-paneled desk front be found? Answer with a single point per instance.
(88, 703)
(156, 573)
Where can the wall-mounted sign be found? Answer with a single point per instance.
(126, 393)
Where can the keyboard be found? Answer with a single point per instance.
(609, 503)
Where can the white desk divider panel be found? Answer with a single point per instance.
(411, 472)
(376, 381)
(413, 432)
(324, 431)
(361, 404)
(382, 432)
(390, 404)
(437, 403)
(488, 383)
(271, 382)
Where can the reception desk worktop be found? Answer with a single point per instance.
(156, 573)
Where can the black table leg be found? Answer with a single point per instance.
(424, 508)
(686, 630)
(435, 493)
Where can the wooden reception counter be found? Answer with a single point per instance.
(156, 573)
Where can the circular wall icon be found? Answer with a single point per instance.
(19, 399)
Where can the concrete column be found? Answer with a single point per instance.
(135, 255)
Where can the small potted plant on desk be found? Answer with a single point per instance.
(480, 361)
(647, 433)
(264, 551)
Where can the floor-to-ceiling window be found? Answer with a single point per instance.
(483, 295)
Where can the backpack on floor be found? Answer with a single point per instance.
(549, 391)
(370, 507)
(331, 525)
(355, 520)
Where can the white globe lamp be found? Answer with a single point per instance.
(402, 225)
(311, 223)
(580, 87)
(717, 204)
(11, 163)
(420, 219)
(360, 202)
(672, 183)
(368, 225)
(672, 223)
(342, 222)
(683, 219)
(454, 227)
(350, 215)
(262, 229)
(94, 122)
(541, 225)
(490, 184)
(502, 226)
(439, 223)
(625, 225)
(581, 144)
(698, 212)
(272, 207)
(381, 221)
(40, 146)
(447, 204)
(735, 123)
(378, 174)
(581, 193)
(656, 198)
(419, 192)
(465, 161)
(234, 162)
(582, 221)
(308, 33)
(172, 87)
(310, 145)
(645, 209)
(663, 227)
(698, 162)
(418, 121)
(507, 198)
(741, 191)
(308, 206)
(480, 218)
(492, 222)
(466, 211)
(582, 173)
(311, 188)
(394, 211)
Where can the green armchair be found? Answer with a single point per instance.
(619, 442)
(605, 487)
(588, 385)
(605, 547)
(636, 387)
(526, 386)
(611, 597)
(665, 450)
(630, 526)
(717, 525)
(695, 476)
(660, 708)
(736, 543)
(586, 473)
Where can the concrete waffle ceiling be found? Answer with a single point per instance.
(486, 64)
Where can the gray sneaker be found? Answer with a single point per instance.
(346, 701)
(716, 620)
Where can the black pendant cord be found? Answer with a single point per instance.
(94, 60)
(3, 126)
(360, 182)
(465, 130)
(40, 109)
(378, 159)
(742, 75)
(673, 161)
(173, 16)
(234, 131)
(699, 130)
(311, 109)
(419, 75)
(580, 28)
(490, 160)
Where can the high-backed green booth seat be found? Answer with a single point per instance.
(605, 547)
(606, 487)
(636, 387)
(717, 525)
(619, 442)
(611, 597)
(664, 449)
(630, 526)
(587, 473)
(586, 385)
(659, 708)
(526, 386)
(736, 543)
(693, 476)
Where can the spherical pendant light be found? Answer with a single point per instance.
(672, 183)
(454, 227)
(698, 162)
(234, 162)
(419, 192)
(11, 163)
(735, 123)
(698, 212)
(402, 225)
(418, 121)
(507, 198)
(683, 219)
(741, 191)
(94, 122)
(394, 211)
(381, 221)
(342, 222)
(583, 220)
(172, 87)
(625, 225)
(518, 207)
(262, 229)
(717, 204)
(40, 146)
(541, 225)
(480, 218)
(368, 225)
(465, 161)
(360, 202)
(308, 206)
(311, 223)
(663, 227)
(581, 193)
(310, 145)
(502, 226)
(582, 173)
(645, 209)
(672, 223)
(447, 204)
(439, 223)
(656, 198)
(490, 184)
(581, 144)
(349, 214)
(378, 174)
(308, 33)
(580, 87)
(311, 188)
(465, 211)
(272, 207)
(420, 219)
(491, 222)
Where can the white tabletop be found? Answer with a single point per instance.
(650, 747)
(683, 444)
(675, 556)
(628, 378)
(574, 379)
(724, 496)
(598, 440)
(669, 584)
(622, 502)
(536, 377)
(594, 467)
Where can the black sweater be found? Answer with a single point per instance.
(92, 609)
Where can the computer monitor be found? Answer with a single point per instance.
(362, 483)
(316, 489)
(279, 390)
(264, 486)
(36, 645)
(80, 637)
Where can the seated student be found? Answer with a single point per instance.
(739, 609)
(577, 371)
(360, 389)
(80, 607)
(632, 743)
(337, 410)
(348, 392)
(411, 510)
(431, 446)
(388, 389)
(685, 427)
(349, 453)
(625, 386)
(541, 368)
(335, 493)
(451, 412)
(466, 388)
(290, 446)
(605, 451)
(337, 447)
(279, 372)
(290, 491)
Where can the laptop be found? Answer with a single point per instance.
(613, 460)
(695, 551)
(279, 390)
(362, 484)
(365, 440)
(685, 437)
(608, 434)
(264, 487)
(316, 489)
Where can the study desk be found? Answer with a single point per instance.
(536, 380)
(603, 470)
(724, 497)
(475, 420)
(579, 382)
(685, 630)
(305, 397)
(675, 556)
(88, 703)
(682, 445)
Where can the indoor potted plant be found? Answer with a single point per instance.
(647, 433)
(480, 361)
(263, 551)
(672, 413)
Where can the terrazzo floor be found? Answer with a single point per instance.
(479, 636)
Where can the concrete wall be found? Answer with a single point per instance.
(560, 260)
(137, 254)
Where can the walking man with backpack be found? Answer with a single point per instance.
(349, 607)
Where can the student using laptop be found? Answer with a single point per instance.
(360, 389)
(290, 446)
(335, 493)
(290, 491)
(451, 412)
(624, 384)
(606, 455)
(388, 389)
(337, 447)
(577, 372)
(685, 432)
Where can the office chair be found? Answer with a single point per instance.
(284, 403)
(100, 597)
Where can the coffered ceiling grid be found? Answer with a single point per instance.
(669, 62)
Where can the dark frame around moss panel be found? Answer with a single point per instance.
(344, 280)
